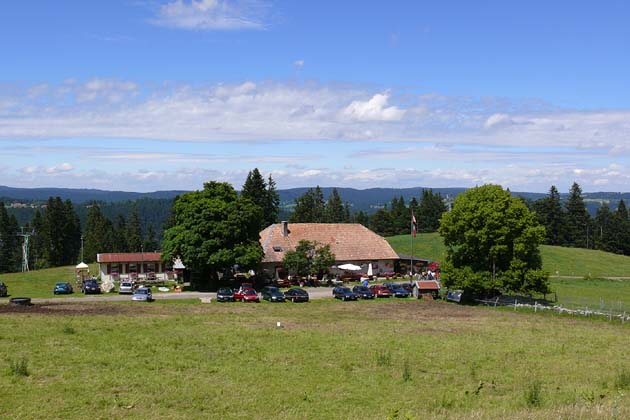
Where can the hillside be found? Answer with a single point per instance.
(558, 261)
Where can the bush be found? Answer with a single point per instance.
(533, 394)
(19, 367)
(622, 381)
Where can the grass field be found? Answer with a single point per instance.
(354, 360)
(558, 261)
(40, 283)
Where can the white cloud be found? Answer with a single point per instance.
(298, 64)
(212, 14)
(375, 109)
(497, 120)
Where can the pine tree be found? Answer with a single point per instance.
(579, 230)
(120, 234)
(150, 243)
(309, 207)
(334, 208)
(551, 215)
(98, 236)
(272, 205)
(9, 242)
(134, 231)
(71, 235)
(430, 211)
(622, 211)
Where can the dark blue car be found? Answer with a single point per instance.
(344, 293)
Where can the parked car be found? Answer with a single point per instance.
(246, 295)
(272, 294)
(126, 287)
(363, 292)
(397, 290)
(4, 291)
(344, 293)
(380, 291)
(62, 288)
(225, 294)
(142, 294)
(90, 286)
(296, 294)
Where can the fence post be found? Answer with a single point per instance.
(610, 316)
(515, 302)
(623, 320)
(535, 306)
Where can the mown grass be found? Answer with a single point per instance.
(354, 360)
(594, 293)
(40, 283)
(558, 261)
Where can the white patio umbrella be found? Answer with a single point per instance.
(349, 267)
(370, 273)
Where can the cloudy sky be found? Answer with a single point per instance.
(166, 94)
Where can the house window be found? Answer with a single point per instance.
(115, 268)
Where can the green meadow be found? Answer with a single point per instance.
(328, 360)
(558, 261)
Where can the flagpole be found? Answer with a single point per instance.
(411, 261)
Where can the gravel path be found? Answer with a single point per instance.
(314, 293)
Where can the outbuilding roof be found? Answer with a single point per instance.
(129, 257)
(348, 241)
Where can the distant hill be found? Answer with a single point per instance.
(78, 195)
(368, 200)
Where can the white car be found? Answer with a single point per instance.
(126, 287)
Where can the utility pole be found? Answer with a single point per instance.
(25, 248)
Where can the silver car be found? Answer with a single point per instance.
(126, 287)
(142, 294)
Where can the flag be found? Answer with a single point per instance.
(413, 225)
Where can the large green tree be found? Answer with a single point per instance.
(213, 230)
(309, 257)
(492, 242)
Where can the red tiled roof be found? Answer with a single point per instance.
(129, 257)
(348, 241)
(428, 285)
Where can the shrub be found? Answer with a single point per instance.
(384, 358)
(533, 394)
(622, 380)
(19, 367)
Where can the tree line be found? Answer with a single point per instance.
(57, 235)
(570, 224)
(394, 219)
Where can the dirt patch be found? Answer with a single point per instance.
(75, 309)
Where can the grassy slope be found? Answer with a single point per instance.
(40, 283)
(355, 360)
(556, 260)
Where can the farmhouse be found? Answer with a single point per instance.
(350, 242)
(131, 265)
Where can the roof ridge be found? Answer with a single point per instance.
(269, 235)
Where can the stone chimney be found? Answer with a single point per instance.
(285, 228)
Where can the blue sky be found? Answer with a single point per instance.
(147, 95)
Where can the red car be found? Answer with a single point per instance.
(380, 291)
(246, 295)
